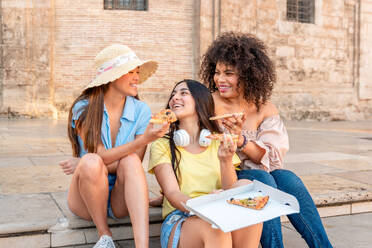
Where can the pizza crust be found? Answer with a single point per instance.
(219, 136)
(225, 116)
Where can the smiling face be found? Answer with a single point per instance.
(182, 102)
(226, 79)
(127, 84)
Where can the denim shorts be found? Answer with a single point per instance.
(111, 180)
(175, 217)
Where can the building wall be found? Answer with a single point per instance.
(49, 47)
(162, 33)
(25, 84)
(317, 64)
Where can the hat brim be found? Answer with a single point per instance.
(146, 69)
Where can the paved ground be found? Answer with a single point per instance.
(349, 231)
(334, 159)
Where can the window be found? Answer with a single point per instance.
(126, 4)
(300, 10)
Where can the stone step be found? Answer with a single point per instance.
(52, 230)
(70, 230)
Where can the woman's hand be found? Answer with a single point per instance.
(227, 149)
(235, 125)
(216, 191)
(68, 166)
(153, 132)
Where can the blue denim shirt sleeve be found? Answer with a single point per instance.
(144, 118)
(77, 109)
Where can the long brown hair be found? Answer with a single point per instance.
(89, 122)
(204, 107)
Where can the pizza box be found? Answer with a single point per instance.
(214, 208)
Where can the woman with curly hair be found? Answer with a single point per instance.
(241, 76)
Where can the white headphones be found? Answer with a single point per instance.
(182, 138)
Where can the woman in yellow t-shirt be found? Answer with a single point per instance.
(188, 165)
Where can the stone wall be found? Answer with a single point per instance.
(162, 33)
(317, 64)
(26, 57)
(365, 43)
(49, 46)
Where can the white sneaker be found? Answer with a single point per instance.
(105, 242)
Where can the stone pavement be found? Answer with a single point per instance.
(334, 159)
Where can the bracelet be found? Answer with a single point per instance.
(245, 141)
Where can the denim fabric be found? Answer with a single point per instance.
(176, 217)
(111, 179)
(307, 222)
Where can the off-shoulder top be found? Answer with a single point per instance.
(271, 136)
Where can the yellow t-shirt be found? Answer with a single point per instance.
(200, 173)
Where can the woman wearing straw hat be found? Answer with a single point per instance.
(108, 129)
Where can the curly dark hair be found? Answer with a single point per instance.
(248, 55)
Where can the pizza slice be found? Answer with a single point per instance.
(256, 203)
(225, 116)
(165, 115)
(219, 136)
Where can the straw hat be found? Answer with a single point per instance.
(117, 60)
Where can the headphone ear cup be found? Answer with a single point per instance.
(203, 140)
(181, 138)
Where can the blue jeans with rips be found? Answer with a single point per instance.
(307, 222)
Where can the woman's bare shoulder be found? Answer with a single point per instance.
(268, 109)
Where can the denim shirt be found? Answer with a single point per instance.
(134, 120)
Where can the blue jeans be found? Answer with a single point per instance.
(307, 222)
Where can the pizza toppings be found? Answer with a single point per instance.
(256, 203)
(219, 136)
(165, 115)
(225, 116)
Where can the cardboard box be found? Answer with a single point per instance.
(214, 209)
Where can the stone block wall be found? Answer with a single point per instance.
(83, 28)
(49, 46)
(25, 84)
(317, 64)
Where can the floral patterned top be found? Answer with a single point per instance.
(272, 136)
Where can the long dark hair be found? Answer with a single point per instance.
(204, 106)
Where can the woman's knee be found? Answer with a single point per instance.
(200, 229)
(217, 236)
(259, 175)
(287, 177)
(91, 166)
(129, 165)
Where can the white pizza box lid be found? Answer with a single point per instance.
(214, 208)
